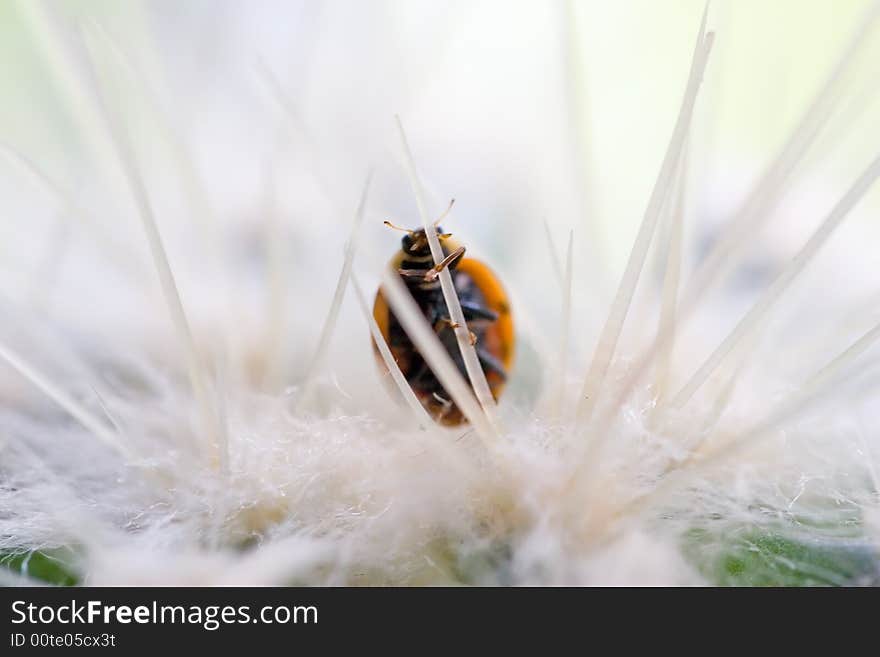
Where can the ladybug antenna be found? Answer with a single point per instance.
(394, 227)
(445, 212)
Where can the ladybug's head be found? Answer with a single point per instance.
(415, 242)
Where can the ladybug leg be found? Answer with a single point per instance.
(489, 362)
(413, 274)
(445, 405)
(440, 399)
(474, 311)
(446, 322)
(448, 261)
(431, 274)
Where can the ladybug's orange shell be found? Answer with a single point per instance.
(498, 339)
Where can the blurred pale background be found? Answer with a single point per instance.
(522, 111)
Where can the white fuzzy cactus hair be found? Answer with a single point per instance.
(682, 208)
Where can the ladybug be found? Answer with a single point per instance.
(486, 310)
